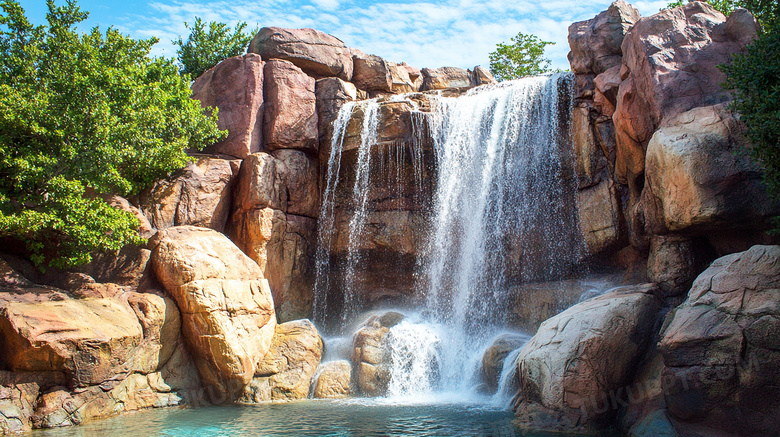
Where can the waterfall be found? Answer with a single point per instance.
(502, 212)
(503, 208)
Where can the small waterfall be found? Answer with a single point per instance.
(506, 388)
(326, 223)
(415, 349)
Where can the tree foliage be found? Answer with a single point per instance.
(765, 11)
(83, 115)
(523, 57)
(754, 78)
(208, 44)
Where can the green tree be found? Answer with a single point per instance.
(83, 115)
(765, 11)
(205, 48)
(523, 57)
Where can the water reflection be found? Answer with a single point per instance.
(307, 418)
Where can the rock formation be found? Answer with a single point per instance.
(568, 369)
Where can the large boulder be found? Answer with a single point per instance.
(334, 380)
(372, 73)
(595, 43)
(161, 322)
(290, 108)
(670, 64)
(315, 52)
(227, 310)
(568, 370)
(332, 93)
(91, 340)
(286, 371)
(721, 348)
(446, 77)
(370, 356)
(260, 184)
(495, 355)
(600, 216)
(695, 179)
(235, 86)
(197, 195)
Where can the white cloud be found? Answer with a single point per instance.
(430, 33)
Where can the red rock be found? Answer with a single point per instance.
(595, 43)
(372, 73)
(301, 175)
(315, 52)
(290, 108)
(445, 77)
(235, 86)
(197, 195)
(672, 60)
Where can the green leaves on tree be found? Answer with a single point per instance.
(523, 57)
(205, 48)
(84, 115)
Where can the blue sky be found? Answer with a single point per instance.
(432, 33)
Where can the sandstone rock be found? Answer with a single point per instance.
(645, 414)
(290, 119)
(286, 371)
(227, 309)
(534, 302)
(235, 86)
(445, 77)
(128, 267)
(260, 184)
(590, 164)
(91, 340)
(284, 246)
(495, 355)
(695, 180)
(16, 406)
(672, 58)
(332, 93)
(600, 216)
(315, 52)
(260, 233)
(595, 43)
(198, 195)
(482, 76)
(370, 358)
(607, 86)
(401, 80)
(301, 176)
(291, 269)
(187, 253)
(568, 368)
(372, 73)
(672, 263)
(721, 351)
(161, 322)
(334, 380)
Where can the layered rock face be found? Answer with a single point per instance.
(654, 142)
(720, 348)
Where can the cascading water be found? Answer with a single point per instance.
(502, 213)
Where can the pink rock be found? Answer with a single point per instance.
(672, 60)
(595, 43)
(235, 86)
(315, 52)
(290, 108)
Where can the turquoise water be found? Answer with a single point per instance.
(362, 418)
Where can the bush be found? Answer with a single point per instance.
(206, 48)
(523, 57)
(754, 78)
(83, 115)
